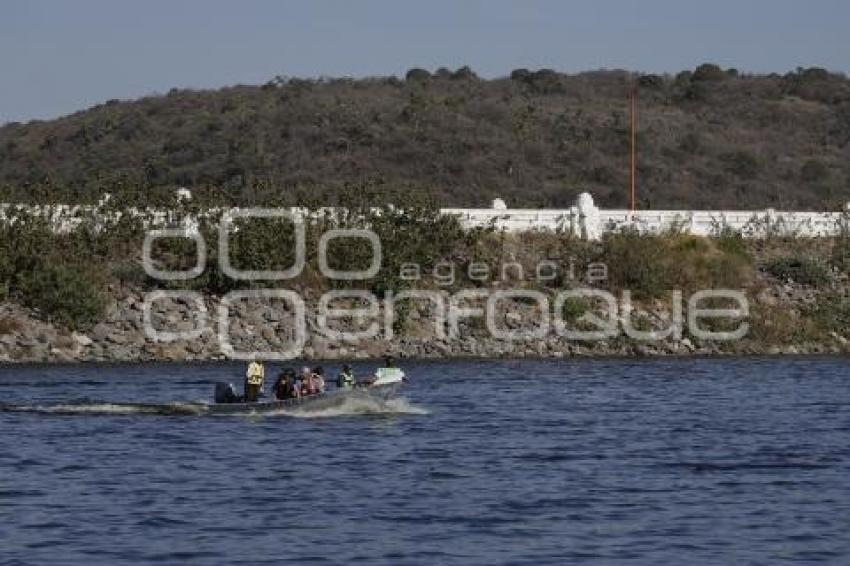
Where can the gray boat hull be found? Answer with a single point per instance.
(321, 401)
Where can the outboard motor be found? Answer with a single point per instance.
(226, 393)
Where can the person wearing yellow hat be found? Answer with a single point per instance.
(254, 381)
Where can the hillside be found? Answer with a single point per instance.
(707, 138)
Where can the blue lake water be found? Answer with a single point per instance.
(499, 462)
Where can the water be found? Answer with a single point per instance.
(606, 461)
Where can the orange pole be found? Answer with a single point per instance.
(633, 98)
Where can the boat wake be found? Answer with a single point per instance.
(87, 407)
(355, 406)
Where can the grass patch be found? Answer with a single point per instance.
(799, 269)
(651, 265)
(66, 294)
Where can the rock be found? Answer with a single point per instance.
(195, 347)
(513, 320)
(116, 338)
(82, 340)
(642, 350)
(269, 335)
(100, 332)
(184, 326)
(36, 352)
(767, 298)
(46, 335)
(272, 316)
(113, 311)
(839, 338)
(320, 346)
(171, 352)
(443, 348)
(27, 342)
(62, 355)
(121, 353)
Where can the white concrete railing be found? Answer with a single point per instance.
(65, 218)
(583, 220)
(589, 222)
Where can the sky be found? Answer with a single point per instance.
(57, 57)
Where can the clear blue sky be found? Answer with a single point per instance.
(59, 56)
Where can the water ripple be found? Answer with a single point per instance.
(484, 462)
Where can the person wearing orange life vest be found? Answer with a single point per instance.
(254, 381)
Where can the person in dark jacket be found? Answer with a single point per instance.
(285, 387)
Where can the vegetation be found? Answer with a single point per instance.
(49, 273)
(652, 265)
(841, 248)
(574, 308)
(833, 314)
(66, 294)
(711, 138)
(66, 278)
(799, 269)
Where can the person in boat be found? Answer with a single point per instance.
(308, 384)
(285, 387)
(298, 382)
(345, 379)
(277, 388)
(319, 378)
(254, 377)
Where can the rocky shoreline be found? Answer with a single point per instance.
(120, 336)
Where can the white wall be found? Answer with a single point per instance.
(590, 222)
(583, 219)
